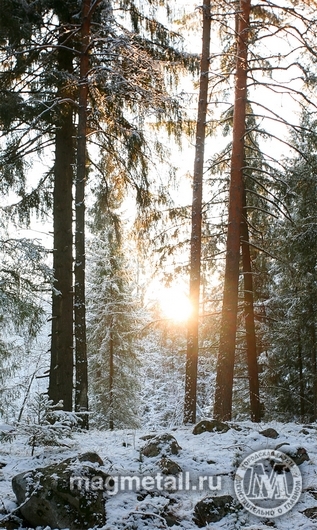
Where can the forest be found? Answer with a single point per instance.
(158, 212)
(158, 264)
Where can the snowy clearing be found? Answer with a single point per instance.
(213, 453)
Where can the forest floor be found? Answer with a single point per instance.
(215, 454)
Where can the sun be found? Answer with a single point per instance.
(174, 303)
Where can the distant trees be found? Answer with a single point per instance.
(113, 321)
(162, 372)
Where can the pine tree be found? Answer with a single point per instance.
(225, 365)
(61, 368)
(196, 233)
(255, 28)
(112, 331)
(81, 385)
(162, 371)
(24, 280)
(290, 366)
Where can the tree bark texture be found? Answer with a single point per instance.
(111, 377)
(226, 356)
(61, 368)
(81, 388)
(249, 319)
(313, 360)
(300, 373)
(195, 248)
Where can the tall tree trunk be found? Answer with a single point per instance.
(195, 249)
(249, 319)
(301, 378)
(111, 377)
(225, 363)
(81, 392)
(313, 360)
(61, 368)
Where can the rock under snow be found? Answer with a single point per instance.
(169, 467)
(210, 426)
(61, 496)
(212, 509)
(163, 444)
(270, 433)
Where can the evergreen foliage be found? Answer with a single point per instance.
(24, 280)
(45, 423)
(290, 360)
(162, 378)
(113, 323)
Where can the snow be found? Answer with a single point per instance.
(4, 429)
(216, 454)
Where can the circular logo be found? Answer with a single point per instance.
(268, 483)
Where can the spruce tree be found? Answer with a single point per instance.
(24, 282)
(290, 362)
(112, 331)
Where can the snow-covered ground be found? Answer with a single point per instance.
(201, 455)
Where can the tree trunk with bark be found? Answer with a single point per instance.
(61, 368)
(111, 377)
(195, 249)
(249, 320)
(300, 373)
(81, 388)
(225, 363)
(313, 360)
